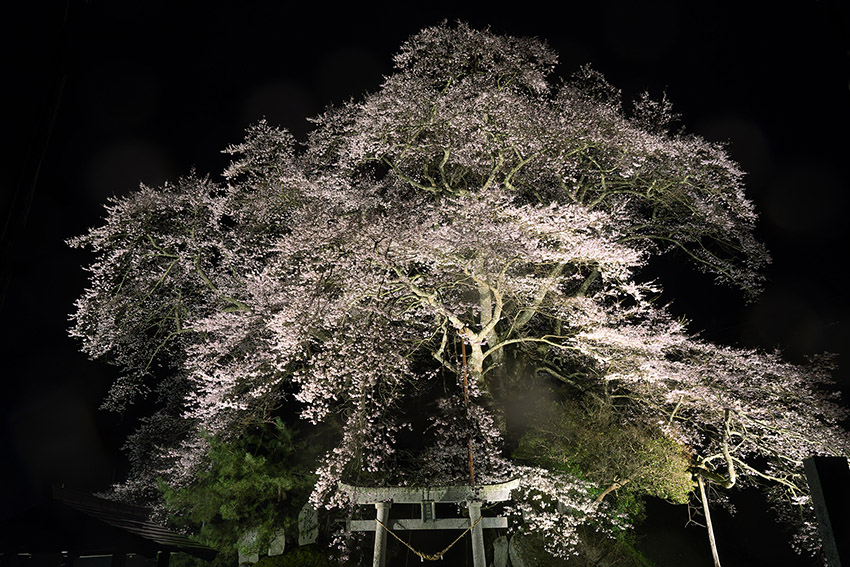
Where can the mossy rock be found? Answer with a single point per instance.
(594, 550)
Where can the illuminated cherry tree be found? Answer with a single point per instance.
(466, 231)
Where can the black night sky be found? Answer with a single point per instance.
(103, 95)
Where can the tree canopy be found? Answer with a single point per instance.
(470, 232)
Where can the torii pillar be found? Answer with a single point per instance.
(479, 558)
(379, 558)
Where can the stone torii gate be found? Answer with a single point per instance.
(428, 497)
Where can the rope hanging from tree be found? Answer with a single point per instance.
(430, 556)
(466, 408)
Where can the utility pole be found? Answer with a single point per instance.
(829, 482)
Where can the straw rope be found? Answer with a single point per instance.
(430, 556)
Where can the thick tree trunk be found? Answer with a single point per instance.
(476, 365)
(486, 304)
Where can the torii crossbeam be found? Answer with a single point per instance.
(427, 497)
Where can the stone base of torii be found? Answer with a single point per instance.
(427, 497)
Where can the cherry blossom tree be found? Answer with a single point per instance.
(465, 232)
